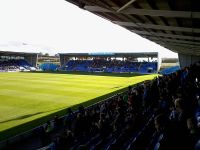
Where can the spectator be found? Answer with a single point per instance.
(194, 133)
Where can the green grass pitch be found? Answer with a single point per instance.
(28, 99)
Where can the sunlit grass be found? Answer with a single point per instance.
(25, 97)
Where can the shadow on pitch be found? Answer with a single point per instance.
(29, 115)
(21, 117)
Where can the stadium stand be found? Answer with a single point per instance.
(110, 62)
(14, 65)
(152, 115)
(102, 65)
(160, 114)
(170, 70)
(17, 61)
(148, 67)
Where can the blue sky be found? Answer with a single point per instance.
(56, 26)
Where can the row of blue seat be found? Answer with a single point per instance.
(108, 66)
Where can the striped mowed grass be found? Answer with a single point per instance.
(29, 99)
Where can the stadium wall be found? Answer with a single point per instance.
(187, 60)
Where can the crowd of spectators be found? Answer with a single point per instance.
(113, 65)
(13, 64)
(125, 121)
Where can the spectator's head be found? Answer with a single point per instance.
(102, 116)
(191, 123)
(79, 115)
(81, 109)
(69, 111)
(179, 105)
(48, 122)
(160, 122)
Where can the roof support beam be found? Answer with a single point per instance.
(157, 27)
(173, 40)
(182, 45)
(126, 5)
(182, 49)
(178, 49)
(148, 12)
(166, 35)
(164, 13)
(97, 9)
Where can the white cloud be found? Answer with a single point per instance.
(58, 26)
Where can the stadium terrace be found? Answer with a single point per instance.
(109, 101)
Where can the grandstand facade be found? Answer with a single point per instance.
(110, 62)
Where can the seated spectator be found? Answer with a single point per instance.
(197, 146)
(179, 114)
(77, 127)
(81, 109)
(194, 133)
(162, 138)
(180, 123)
(69, 119)
(57, 122)
(48, 127)
(103, 125)
(166, 136)
(46, 136)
